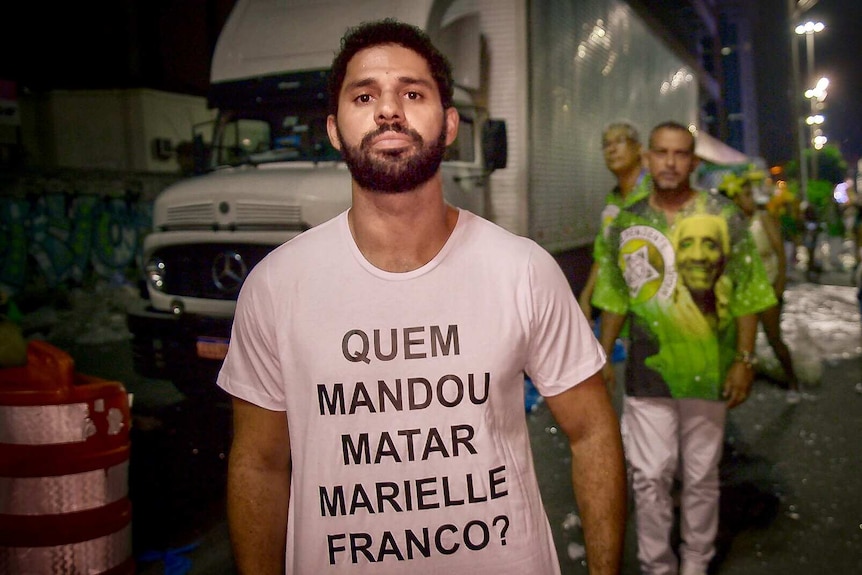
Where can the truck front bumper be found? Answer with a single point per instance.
(186, 349)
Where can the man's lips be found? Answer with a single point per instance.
(391, 141)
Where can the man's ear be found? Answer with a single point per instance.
(453, 120)
(332, 132)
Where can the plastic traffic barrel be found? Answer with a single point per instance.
(64, 460)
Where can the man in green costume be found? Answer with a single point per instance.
(682, 267)
(621, 148)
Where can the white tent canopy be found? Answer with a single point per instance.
(715, 151)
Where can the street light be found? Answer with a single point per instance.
(795, 9)
(818, 92)
(809, 29)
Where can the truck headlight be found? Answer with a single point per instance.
(156, 273)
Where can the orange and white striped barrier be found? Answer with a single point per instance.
(64, 461)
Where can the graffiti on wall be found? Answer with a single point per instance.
(55, 238)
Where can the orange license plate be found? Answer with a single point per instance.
(212, 347)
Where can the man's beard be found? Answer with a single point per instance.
(398, 170)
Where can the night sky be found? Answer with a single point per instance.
(837, 55)
(167, 45)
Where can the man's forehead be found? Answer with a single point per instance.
(387, 56)
(616, 133)
(670, 137)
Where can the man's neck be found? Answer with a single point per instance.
(670, 202)
(627, 180)
(401, 232)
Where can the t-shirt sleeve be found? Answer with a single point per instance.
(562, 348)
(251, 370)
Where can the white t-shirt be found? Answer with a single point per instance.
(404, 395)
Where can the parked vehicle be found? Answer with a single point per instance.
(272, 173)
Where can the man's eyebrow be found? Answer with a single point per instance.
(362, 83)
(417, 81)
(406, 80)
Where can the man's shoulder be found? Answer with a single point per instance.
(716, 203)
(642, 189)
(486, 229)
(636, 208)
(614, 197)
(491, 242)
(310, 242)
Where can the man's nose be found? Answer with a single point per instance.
(389, 108)
(670, 160)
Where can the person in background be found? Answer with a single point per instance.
(784, 206)
(621, 147)
(377, 362)
(767, 237)
(691, 353)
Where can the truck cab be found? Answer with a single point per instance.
(270, 174)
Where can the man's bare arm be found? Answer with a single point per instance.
(587, 417)
(258, 488)
(737, 384)
(587, 293)
(610, 326)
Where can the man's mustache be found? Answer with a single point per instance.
(390, 127)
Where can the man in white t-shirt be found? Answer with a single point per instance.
(377, 362)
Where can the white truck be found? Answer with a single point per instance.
(556, 71)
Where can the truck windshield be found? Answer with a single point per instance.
(282, 118)
(271, 119)
(272, 135)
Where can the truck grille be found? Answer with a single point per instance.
(251, 213)
(190, 215)
(210, 271)
(248, 215)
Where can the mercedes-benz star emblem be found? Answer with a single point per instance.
(229, 271)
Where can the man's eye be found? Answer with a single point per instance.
(363, 98)
(413, 95)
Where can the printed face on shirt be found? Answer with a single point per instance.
(621, 152)
(671, 159)
(701, 244)
(391, 126)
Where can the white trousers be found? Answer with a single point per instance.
(658, 433)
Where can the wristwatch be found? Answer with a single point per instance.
(746, 357)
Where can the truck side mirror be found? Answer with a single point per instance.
(495, 146)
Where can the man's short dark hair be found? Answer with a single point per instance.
(389, 31)
(671, 125)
